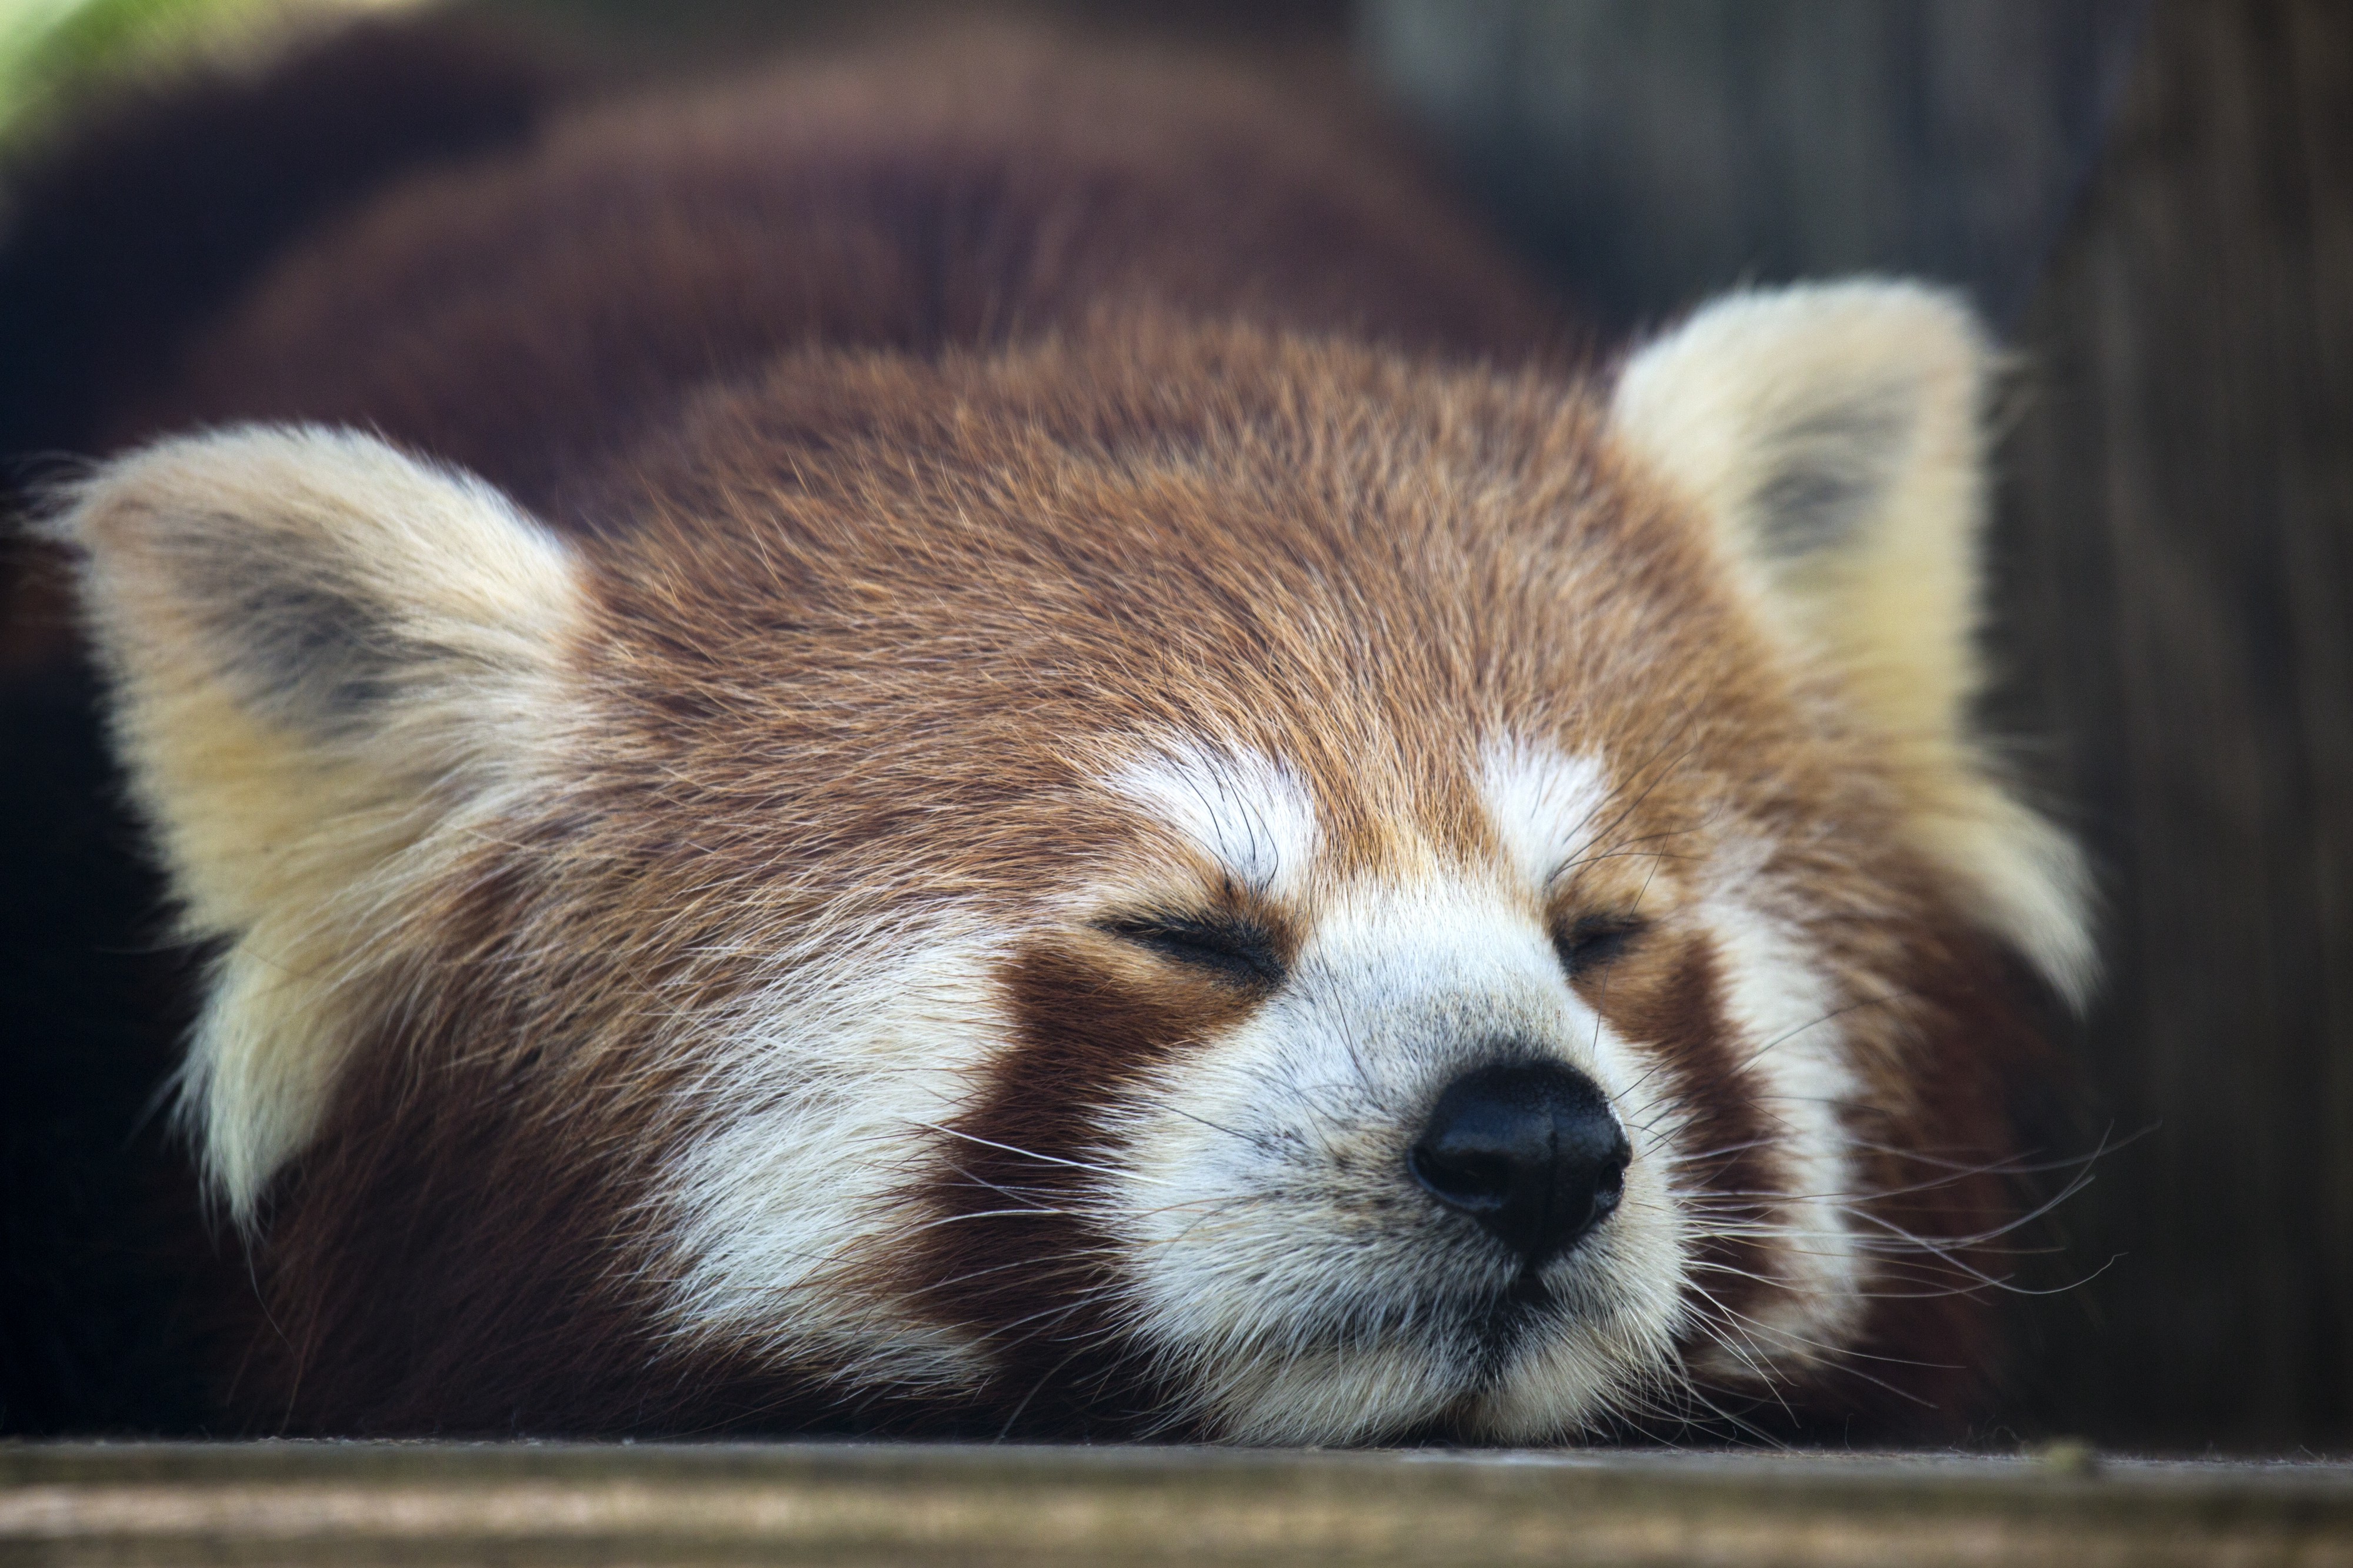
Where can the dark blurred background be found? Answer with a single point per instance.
(2153, 201)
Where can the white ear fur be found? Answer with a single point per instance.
(1831, 433)
(325, 659)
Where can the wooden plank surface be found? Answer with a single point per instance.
(350, 1503)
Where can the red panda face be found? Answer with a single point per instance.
(1179, 882)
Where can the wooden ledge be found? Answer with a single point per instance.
(529, 1503)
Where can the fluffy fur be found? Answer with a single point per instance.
(692, 813)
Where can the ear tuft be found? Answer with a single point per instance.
(1831, 436)
(1801, 418)
(320, 576)
(325, 658)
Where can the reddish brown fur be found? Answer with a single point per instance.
(907, 415)
(723, 745)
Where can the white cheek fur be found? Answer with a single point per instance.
(832, 1081)
(1785, 1028)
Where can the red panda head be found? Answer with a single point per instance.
(1174, 881)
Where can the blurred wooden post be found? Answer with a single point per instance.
(2177, 593)
(2174, 559)
(1658, 150)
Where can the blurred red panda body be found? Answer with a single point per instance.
(1006, 744)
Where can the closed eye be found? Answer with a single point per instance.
(1595, 940)
(1237, 949)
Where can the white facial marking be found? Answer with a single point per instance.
(1278, 1256)
(840, 1071)
(1548, 808)
(1282, 1253)
(1285, 1260)
(1787, 1030)
(1246, 811)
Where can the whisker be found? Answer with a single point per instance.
(1031, 1153)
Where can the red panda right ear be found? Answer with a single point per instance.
(1831, 437)
(325, 659)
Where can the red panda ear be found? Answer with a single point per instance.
(1832, 437)
(324, 659)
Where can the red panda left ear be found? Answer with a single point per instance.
(326, 661)
(1831, 435)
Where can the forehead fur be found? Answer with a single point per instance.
(1003, 572)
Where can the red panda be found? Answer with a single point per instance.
(1007, 742)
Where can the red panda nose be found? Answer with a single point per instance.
(1530, 1150)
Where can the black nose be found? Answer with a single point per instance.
(1530, 1150)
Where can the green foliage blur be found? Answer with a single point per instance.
(53, 50)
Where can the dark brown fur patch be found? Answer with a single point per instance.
(1947, 1170)
(1013, 1254)
(1730, 1173)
